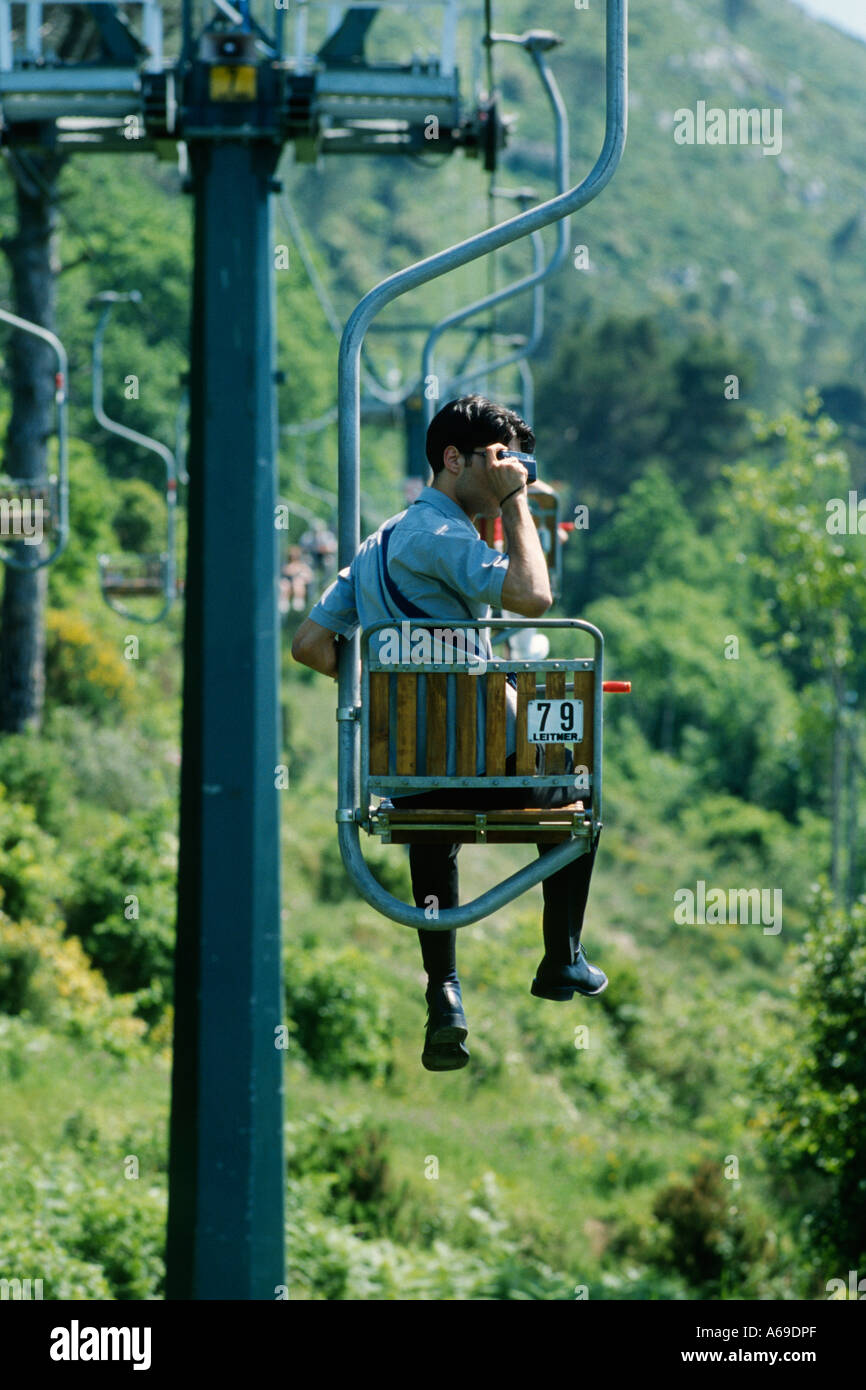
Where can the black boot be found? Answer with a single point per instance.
(444, 1046)
(561, 981)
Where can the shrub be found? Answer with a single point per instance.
(112, 767)
(354, 1157)
(48, 979)
(815, 1123)
(139, 520)
(32, 868)
(708, 1241)
(139, 860)
(126, 1239)
(82, 668)
(35, 771)
(336, 1014)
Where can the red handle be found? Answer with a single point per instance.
(616, 687)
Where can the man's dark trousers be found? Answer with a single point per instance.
(435, 874)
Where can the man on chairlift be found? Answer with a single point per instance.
(435, 565)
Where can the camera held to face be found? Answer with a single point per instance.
(528, 460)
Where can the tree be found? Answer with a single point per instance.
(815, 1123)
(808, 589)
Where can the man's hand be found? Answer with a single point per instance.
(316, 646)
(503, 475)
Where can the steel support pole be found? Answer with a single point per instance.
(227, 1175)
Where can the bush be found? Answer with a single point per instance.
(140, 519)
(335, 1013)
(140, 861)
(48, 980)
(82, 668)
(32, 868)
(354, 1157)
(28, 1251)
(815, 1124)
(126, 1239)
(112, 767)
(707, 1240)
(86, 1240)
(35, 771)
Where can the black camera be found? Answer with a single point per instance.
(528, 460)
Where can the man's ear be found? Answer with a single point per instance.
(452, 459)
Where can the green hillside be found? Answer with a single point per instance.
(704, 1137)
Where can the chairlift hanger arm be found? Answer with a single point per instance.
(372, 382)
(61, 407)
(537, 44)
(155, 446)
(350, 476)
(109, 298)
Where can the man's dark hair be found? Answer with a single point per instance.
(472, 422)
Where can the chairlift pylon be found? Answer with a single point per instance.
(140, 575)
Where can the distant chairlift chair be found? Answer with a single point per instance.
(23, 500)
(140, 576)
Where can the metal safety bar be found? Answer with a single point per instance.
(350, 486)
(60, 403)
(109, 298)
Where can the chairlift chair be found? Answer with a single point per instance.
(20, 498)
(431, 724)
(150, 576)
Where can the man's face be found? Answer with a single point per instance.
(473, 489)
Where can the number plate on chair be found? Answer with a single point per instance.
(554, 721)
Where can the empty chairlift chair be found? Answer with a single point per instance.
(131, 575)
(32, 508)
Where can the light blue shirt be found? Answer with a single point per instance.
(437, 560)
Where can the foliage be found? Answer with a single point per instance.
(85, 1235)
(336, 1013)
(707, 1238)
(734, 719)
(32, 866)
(84, 669)
(814, 1125)
(114, 766)
(34, 770)
(811, 608)
(48, 979)
(130, 942)
(139, 517)
(354, 1157)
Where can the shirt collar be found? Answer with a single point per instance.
(445, 505)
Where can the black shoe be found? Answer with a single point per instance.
(444, 1046)
(561, 982)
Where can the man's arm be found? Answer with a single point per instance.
(526, 589)
(316, 646)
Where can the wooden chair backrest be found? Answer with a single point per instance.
(409, 715)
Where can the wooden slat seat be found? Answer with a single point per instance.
(133, 577)
(532, 825)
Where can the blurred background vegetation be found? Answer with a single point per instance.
(709, 1142)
